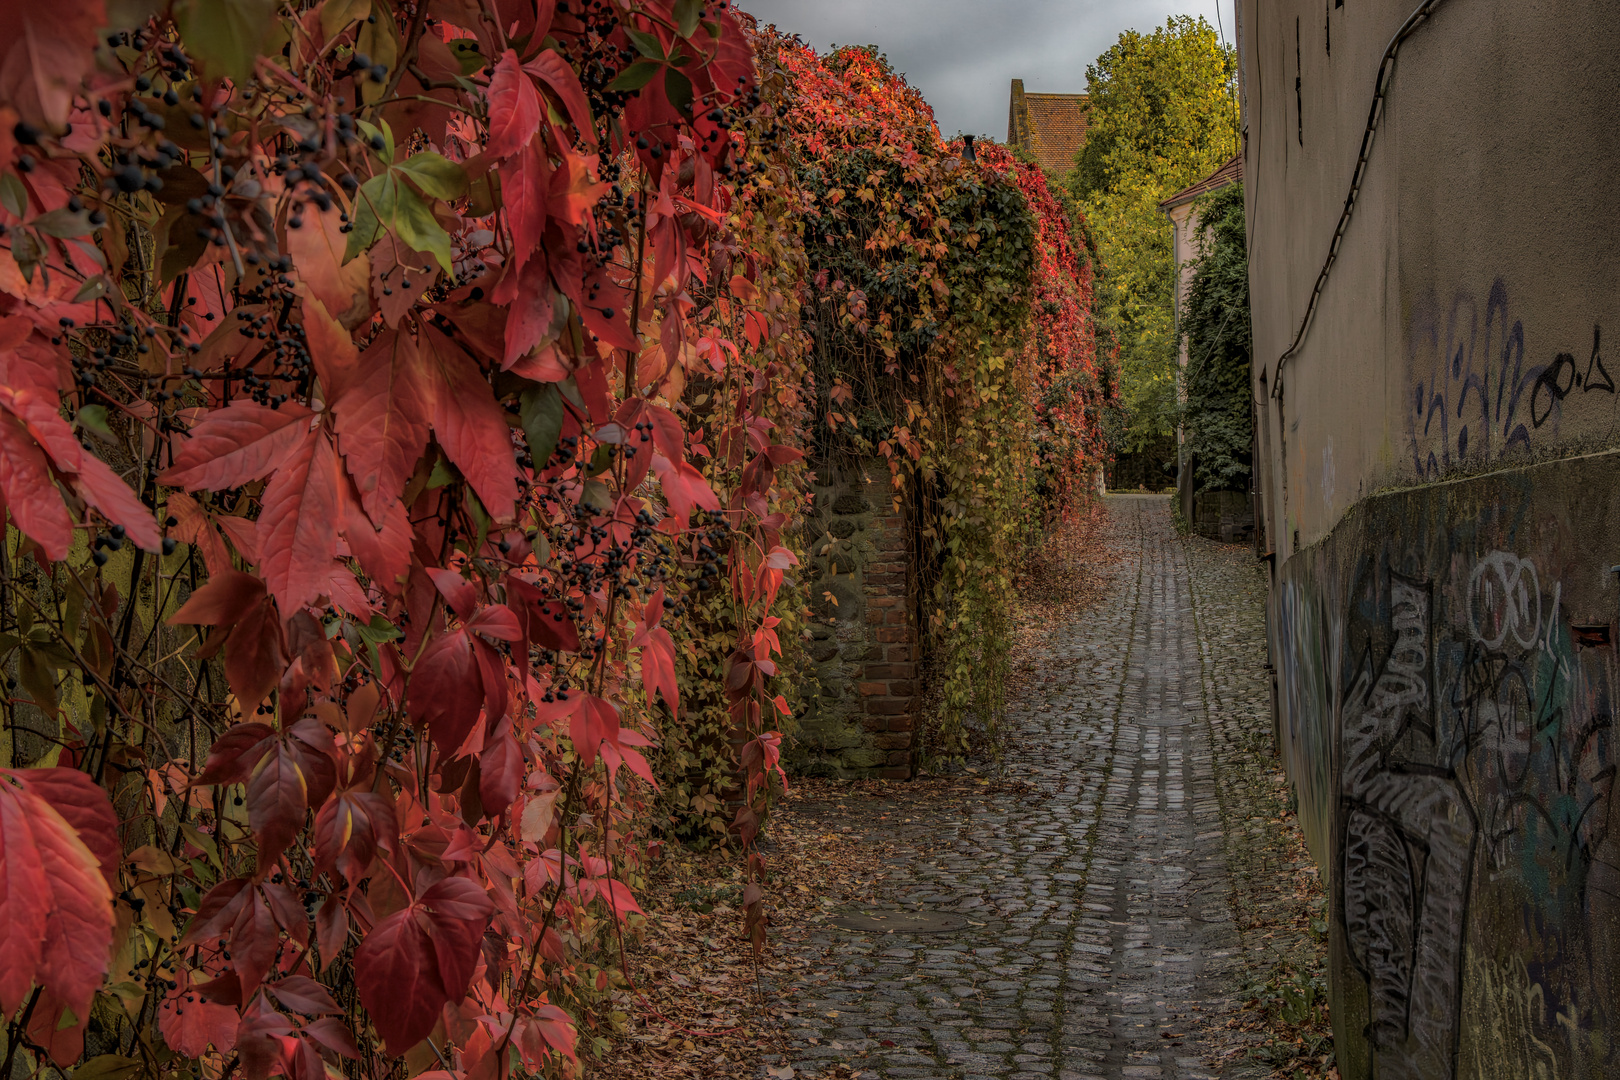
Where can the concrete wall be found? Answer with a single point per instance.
(862, 701)
(1438, 489)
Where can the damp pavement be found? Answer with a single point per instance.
(1086, 931)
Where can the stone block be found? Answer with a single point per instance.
(822, 651)
(851, 504)
(842, 528)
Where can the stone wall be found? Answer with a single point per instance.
(860, 710)
(1449, 682)
(1227, 516)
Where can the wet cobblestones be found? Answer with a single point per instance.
(1104, 906)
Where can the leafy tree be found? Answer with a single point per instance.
(1219, 344)
(1163, 114)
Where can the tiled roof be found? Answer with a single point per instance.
(1052, 127)
(1229, 173)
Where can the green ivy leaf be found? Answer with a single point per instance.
(385, 204)
(13, 196)
(541, 411)
(679, 89)
(687, 13)
(435, 175)
(416, 225)
(646, 44)
(469, 55)
(635, 76)
(380, 41)
(225, 36)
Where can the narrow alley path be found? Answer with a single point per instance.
(1101, 912)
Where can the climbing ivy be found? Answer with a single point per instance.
(1219, 342)
(952, 338)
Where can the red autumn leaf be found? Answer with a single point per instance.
(558, 74)
(333, 1034)
(190, 1027)
(254, 654)
(317, 254)
(295, 773)
(55, 901)
(496, 621)
(383, 551)
(500, 773)
(457, 591)
(531, 317)
(382, 422)
(545, 623)
(348, 831)
(302, 994)
(399, 277)
(298, 524)
(574, 195)
(83, 804)
(419, 958)
(331, 929)
(469, 423)
(30, 492)
(591, 726)
(552, 1026)
(337, 360)
(526, 185)
(514, 108)
(193, 527)
(492, 669)
(105, 490)
(242, 442)
(259, 1040)
(447, 691)
(45, 51)
(684, 488)
(658, 666)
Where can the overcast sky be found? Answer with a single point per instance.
(963, 54)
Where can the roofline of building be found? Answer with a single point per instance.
(1204, 187)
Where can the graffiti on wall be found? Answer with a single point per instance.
(1459, 672)
(1477, 395)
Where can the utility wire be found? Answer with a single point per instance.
(1386, 70)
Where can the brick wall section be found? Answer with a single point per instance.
(861, 706)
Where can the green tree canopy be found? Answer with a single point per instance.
(1163, 116)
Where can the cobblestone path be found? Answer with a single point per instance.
(1101, 934)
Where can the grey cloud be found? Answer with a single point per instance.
(963, 54)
